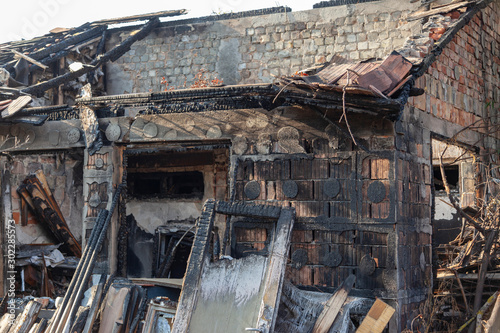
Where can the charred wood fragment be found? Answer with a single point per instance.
(52, 53)
(48, 210)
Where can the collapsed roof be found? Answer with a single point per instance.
(373, 86)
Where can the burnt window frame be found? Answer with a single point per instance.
(162, 165)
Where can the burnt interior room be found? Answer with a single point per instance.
(165, 194)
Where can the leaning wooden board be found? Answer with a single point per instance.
(377, 318)
(333, 306)
(17, 105)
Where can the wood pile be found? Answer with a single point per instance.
(470, 265)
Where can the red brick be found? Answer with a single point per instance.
(16, 216)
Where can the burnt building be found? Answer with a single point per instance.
(339, 112)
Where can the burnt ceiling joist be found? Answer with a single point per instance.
(113, 54)
(47, 49)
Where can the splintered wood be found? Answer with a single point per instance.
(377, 318)
(333, 306)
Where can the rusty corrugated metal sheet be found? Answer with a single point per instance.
(375, 76)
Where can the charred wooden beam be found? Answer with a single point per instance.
(277, 266)
(48, 210)
(242, 209)
(142, 17)
(45, 110)
(58, 315)
(83, 279)
(187, 301)
(113, 54)
(45, 54)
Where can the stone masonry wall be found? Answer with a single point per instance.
(256, 49)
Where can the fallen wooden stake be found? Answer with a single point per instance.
(24, 321)
(493, 324)
(333, 306)
(28, 58)
(480, 312)
(377, 318)
(96, 300)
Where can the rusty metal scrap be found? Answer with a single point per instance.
(384, 76)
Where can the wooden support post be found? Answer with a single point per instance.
(277, 263)
(117, 158)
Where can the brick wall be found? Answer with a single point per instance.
(458, 87)
(464, 78)
(337, 222)
(256, 49)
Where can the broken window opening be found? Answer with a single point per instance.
(171, 185)
(174, 247)
(452, 176)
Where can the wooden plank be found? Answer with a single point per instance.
(15, 106)
(27, 318)
(48, 210)
(96, 302)
(333, 306)
(276, 271)
(163, 282)
(40, 327)
(141, 17)
(466, 276)
(493, 324)
(440, 10)
(5, 323)
(377, 318)
(28, 58)
(196, 263)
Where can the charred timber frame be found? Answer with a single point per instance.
(276, 266)
(112, 55)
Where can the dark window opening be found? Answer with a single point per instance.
(173, 185)
(452, 176)
(173, 253)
